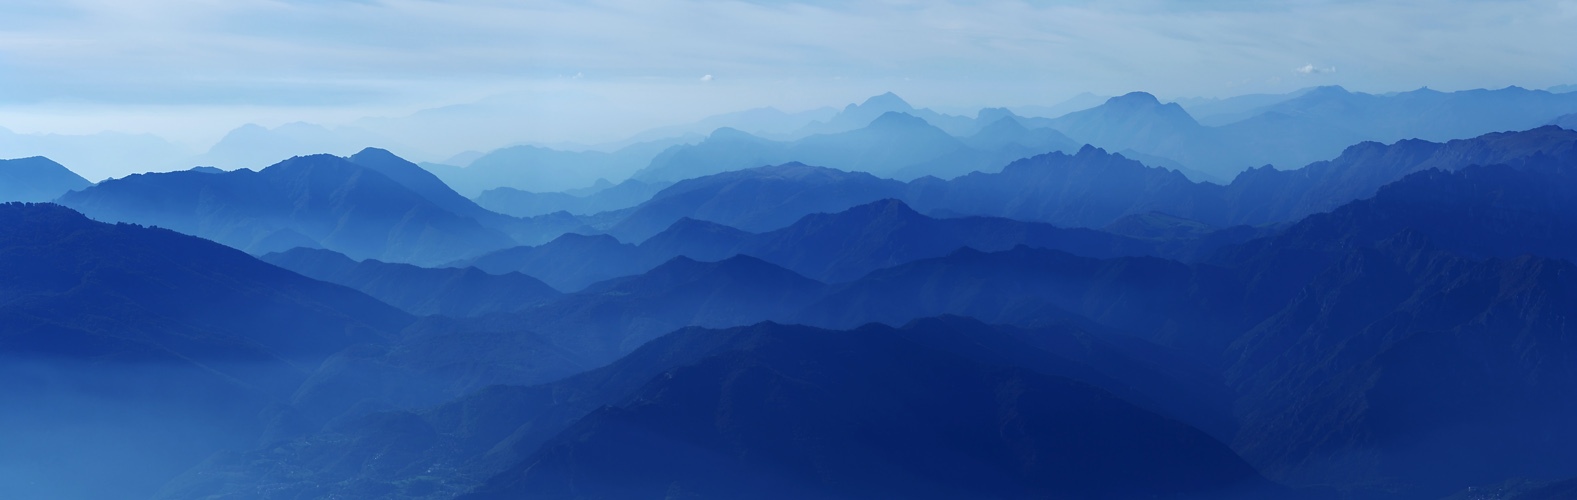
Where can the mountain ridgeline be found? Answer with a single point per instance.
(1091, 188)
(150, 348)
(37, 179)
(371, 205)
(878, 301)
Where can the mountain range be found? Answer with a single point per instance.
(833, 247)
(1314, 125)
(878, 301)
(1285, 130)
(1091, 188)
(315, 201)
(893, 144)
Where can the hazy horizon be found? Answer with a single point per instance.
(190, 71)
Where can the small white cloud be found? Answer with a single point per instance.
(706, 78)
(579, 75)
(1310, 69)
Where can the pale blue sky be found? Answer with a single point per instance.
(597, 70)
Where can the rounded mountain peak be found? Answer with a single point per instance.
(887, 101)
(1327, 90)
(1134, 99)
(897, 120)
(730, 133)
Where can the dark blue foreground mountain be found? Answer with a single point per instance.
(773, 410)
(132, 353)
(798, 413)
(1448, 299)
(1416, 342)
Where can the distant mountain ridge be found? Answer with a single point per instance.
(893, 144)
(1092, 188)
(97, 156)
(315, 201)
(37, 179)
(1286, 130)
(757, 199)
(416, 290)
(255, 147)
(1310, 126)
(1568, 122)
(539, 169)
(859, 115)
(518, 203)
(829, 247)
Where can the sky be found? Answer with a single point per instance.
(548, 71)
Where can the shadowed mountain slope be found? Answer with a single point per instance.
(497, 432)
(421, 182)
(131, 353)
(417, 290)
(1408, 343)
(1429, 284)
(611, 318)
(870, 412)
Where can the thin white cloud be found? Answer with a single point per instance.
(706, 78)
(1311, 69)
